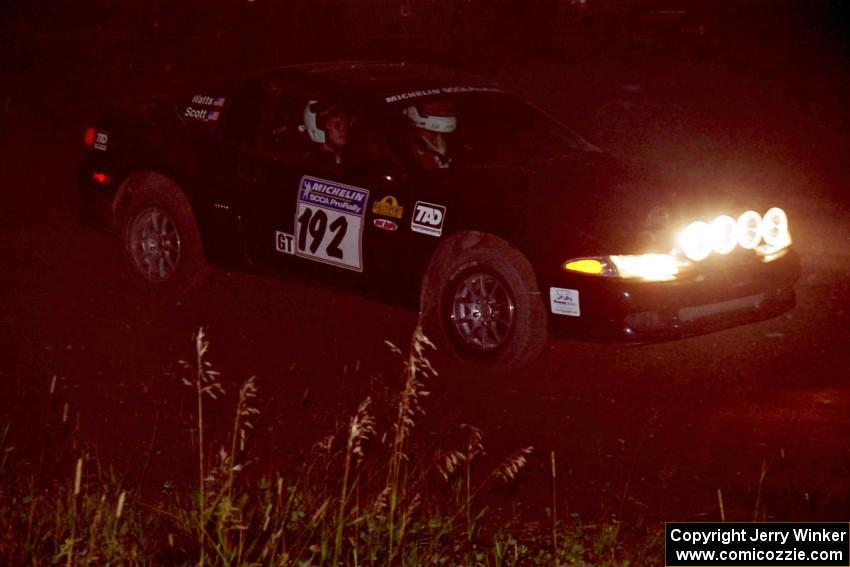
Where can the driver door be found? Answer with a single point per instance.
(306, 214)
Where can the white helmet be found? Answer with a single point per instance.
(433, 122)
(311, 123)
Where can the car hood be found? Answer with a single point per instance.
(594, 204)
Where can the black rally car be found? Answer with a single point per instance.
(443, 192)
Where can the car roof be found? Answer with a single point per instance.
(368, 81)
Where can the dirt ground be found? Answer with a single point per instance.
(645, 432)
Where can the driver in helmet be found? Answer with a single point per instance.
(328, 127)
(433, 121)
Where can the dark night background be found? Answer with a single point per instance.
(751, 95)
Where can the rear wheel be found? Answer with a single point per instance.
(162, 243)
(485, 303)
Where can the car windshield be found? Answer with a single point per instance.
(477, 129)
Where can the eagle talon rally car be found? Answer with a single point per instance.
(434, 189)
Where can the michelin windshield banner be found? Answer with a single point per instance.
(757, 544)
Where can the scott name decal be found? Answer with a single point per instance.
(202, 114)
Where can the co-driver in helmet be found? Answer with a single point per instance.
(433, 121)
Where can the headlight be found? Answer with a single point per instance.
(648, 267)
(695, 241)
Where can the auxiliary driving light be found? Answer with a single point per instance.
(749, 230)
(775, 227)
(723, 234)
(696, 241)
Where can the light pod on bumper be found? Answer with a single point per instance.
(724, 236)
(774, 228)
(699, 239)
(749, 230)
(695, 241)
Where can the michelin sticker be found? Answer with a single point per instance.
(329, 222)
(388, 207)
(428, 218)
(439, 91)
(564, 301)
(101, 140)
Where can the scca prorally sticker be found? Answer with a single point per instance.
(205, 100)
(564, 301)
(284, 243)
(428, 218)
(388, 207)
(329, 222)
(202, 114)
(101, 140)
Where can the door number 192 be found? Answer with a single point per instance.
(314, 224)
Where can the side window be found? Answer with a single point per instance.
(282, 134)
(304, 129)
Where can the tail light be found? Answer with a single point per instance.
(101, 177)
(88, 139)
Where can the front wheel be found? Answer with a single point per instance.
(488, 307)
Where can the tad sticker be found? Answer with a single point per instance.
(564, 301)
(329, 222)
(101, 140)
(428, 218)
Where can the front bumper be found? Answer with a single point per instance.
(726, 292)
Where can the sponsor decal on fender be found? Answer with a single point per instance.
(385, 224)
(428, 218)
(388, 207)
(564, 301)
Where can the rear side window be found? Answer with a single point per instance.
(244, 112)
